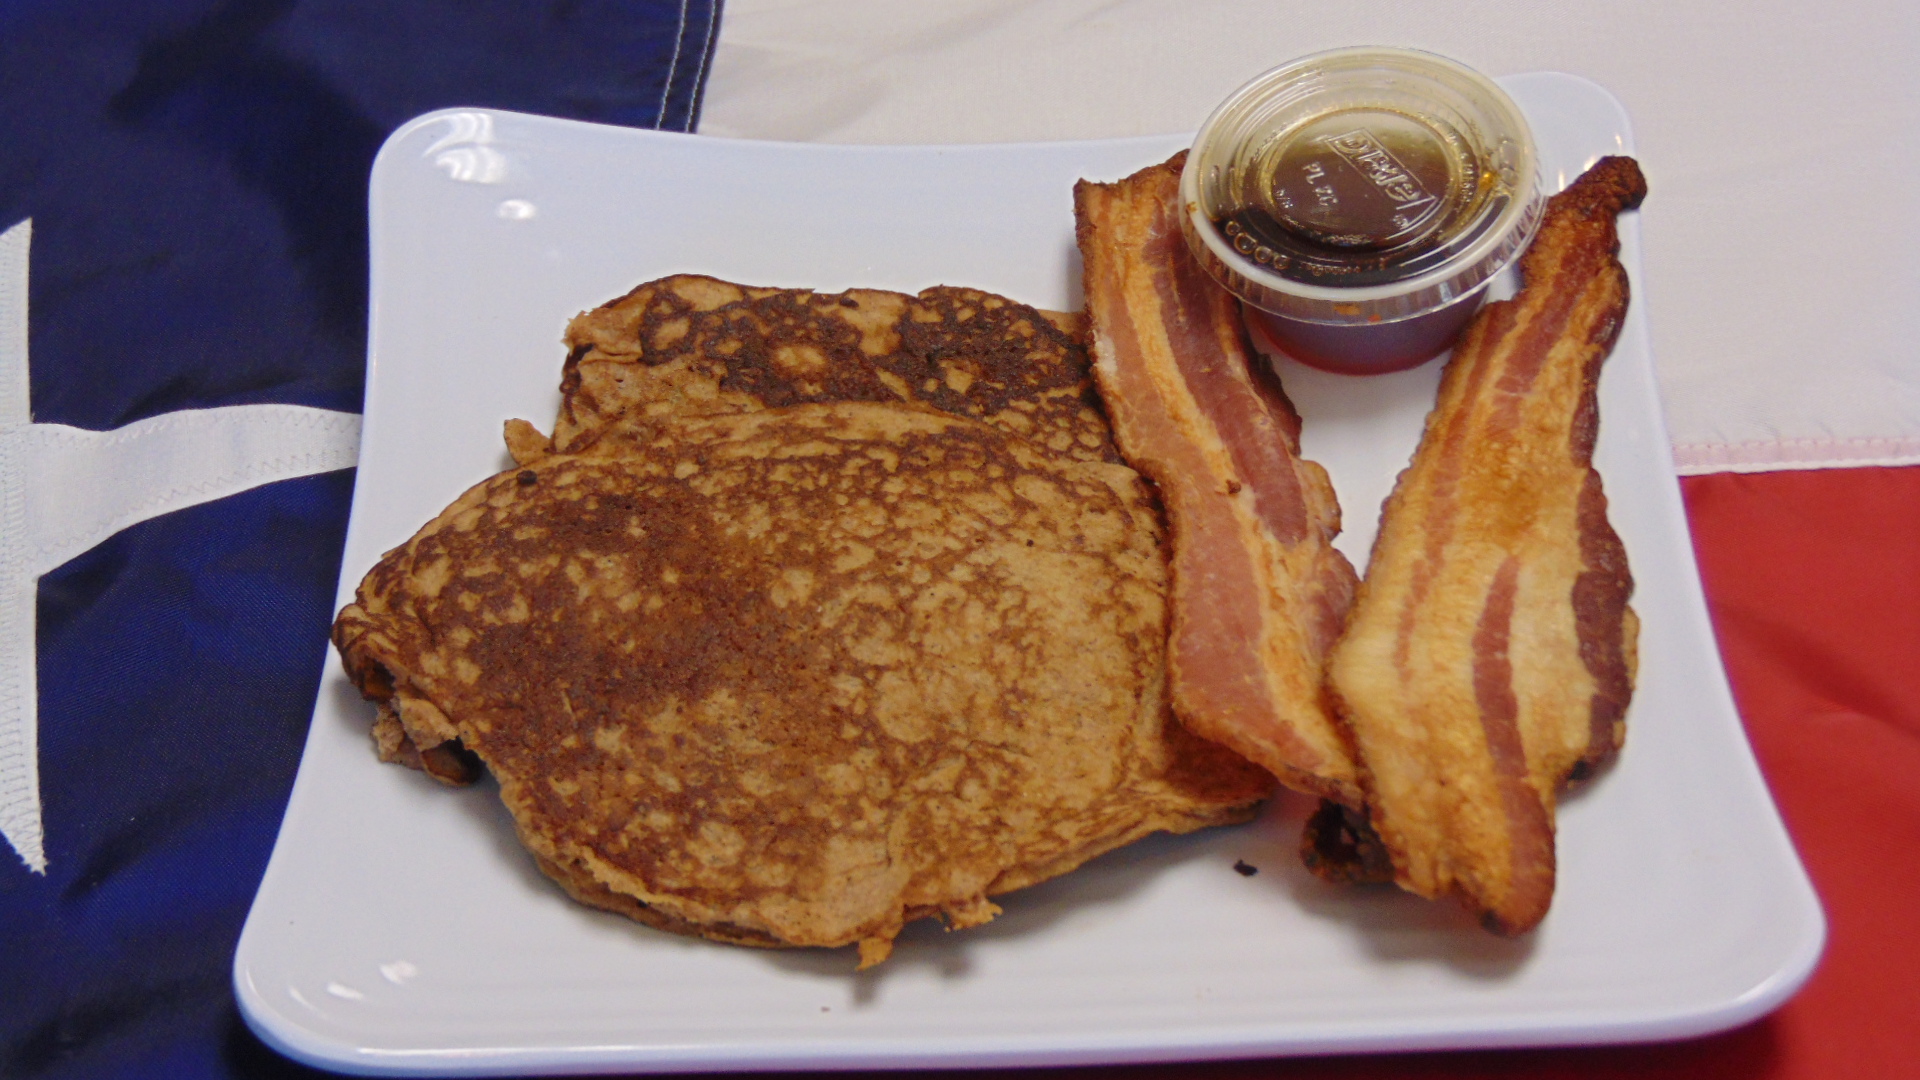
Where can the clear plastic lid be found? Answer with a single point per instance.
(1361, 186)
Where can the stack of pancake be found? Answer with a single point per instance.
(815, 615)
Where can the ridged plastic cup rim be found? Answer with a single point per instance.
(1467, 272)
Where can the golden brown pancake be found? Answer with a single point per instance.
(695, 346)
(798, 676)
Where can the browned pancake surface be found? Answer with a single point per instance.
(693, 346)
(797, 676)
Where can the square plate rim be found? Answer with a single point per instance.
(268, 1022)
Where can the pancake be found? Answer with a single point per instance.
(797, 676)
(696, 346)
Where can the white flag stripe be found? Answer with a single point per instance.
(19, 687)
(19, 735)
(13, 325)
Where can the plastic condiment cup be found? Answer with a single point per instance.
(1360, 201)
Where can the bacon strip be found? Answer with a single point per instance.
(1259, 593)
(1489, 656)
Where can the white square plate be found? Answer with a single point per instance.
(401, 929)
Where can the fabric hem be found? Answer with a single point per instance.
(1776, 455)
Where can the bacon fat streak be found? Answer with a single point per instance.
(1258, 591)
(1489, 656)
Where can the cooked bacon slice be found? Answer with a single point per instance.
(1259, 593)
(1490, 654)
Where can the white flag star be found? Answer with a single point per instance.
(65, 489)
